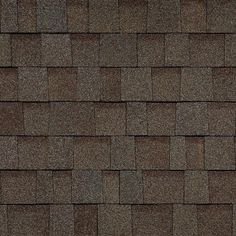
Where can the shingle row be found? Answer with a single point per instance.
(118, 153)
(133, 118)
(117, 84)
(112, 219)
(124, 187)
(117, 16)
(117, 50)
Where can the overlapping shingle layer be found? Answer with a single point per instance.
(118, 118)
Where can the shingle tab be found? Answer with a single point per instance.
(86, 186)
(166, 84)
(206, 50)
(92, 153)
(147, 149)
(163, 187)
(118, 50)
(196, 84)
(230, 50)
(18, 187)
(62, 83)
(33, 84)
(110, 118)
(193, 15)
(133, 15)
(114, 220)
(51, 15)
(152, 220)
(56, 50)
(26, 49)
(85, 49)
(103, 16)
(164, 16)
(111, 186)
(8, 84)
(77, 13)
(28, 220)
(191, 119)
(151, 49)
(136, 84)
(5, 53)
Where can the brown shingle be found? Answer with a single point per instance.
(214, 219)
(11, 118)
(136, 118)
(133, 15)
(85, 220)
(206, 50)
(27, 18)
(36, 118)
(86, 186)
(196, 187)
(118, 50)
(110, 118)
(184, 220)
(44, 187)
(195, 152)
(103, 16)
(18, 187)
(114, 220)
(224, 84)
(26, 49)
(85, 49)
(62, 118)
(136, 84)
(166, 84)
(8, 153)
(61, 220)
(151, 49)
(33, 84)
(8, 84)
(51, 15)
(88, 84)
(61, 152)
(163, 186)
(92, 153)
(9, 16)
(221, 119)
(5, 53)
(196, 84)
(193, 15)
(219, 153)
(164, 16)
(111, 186)
(62, 84)
(230, 50)
(62, 182)
(28, 220)
(161, 118)
(56, 50)
(110, 84)
(221, 16)
(177, 153)
(122, 153)
(3, 220)
(77, 13)
(222, 186)
(176, 49)
(152, 220)
(191, 119)
(152, 152)
(131, 187)
(33, 152)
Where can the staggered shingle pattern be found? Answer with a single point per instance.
(118, 117)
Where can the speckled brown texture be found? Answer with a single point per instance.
(117, 118)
